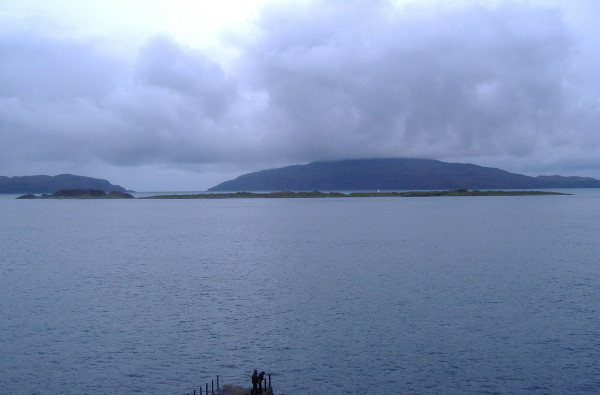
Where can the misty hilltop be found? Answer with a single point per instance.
(50, 184)
(394, 174)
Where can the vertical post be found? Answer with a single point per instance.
(194, 392)
(269, 380)
(212, 386)
(206, 388)
(217, 382)
(200, 390)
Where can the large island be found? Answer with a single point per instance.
(394, 174)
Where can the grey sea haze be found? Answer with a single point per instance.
(385, 295)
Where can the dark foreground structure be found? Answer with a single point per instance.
(228, 389)
(235, 390)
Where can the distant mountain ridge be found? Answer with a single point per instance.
(394, 174)
(51, 184)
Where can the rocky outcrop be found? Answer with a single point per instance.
(81, 194)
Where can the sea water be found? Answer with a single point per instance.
(340, 295)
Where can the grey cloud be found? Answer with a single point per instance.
(37, 67)
(164, 64)
(61, 108)
(473, 80)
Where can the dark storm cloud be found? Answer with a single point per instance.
(368, 81)
(323, 80)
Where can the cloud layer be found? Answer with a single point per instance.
(503, 85)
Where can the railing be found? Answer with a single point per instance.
(204, 391)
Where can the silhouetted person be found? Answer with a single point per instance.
(255, 381)
(260, 381)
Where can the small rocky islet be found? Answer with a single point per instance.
(80, 194)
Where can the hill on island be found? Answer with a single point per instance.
(50, 184)
(394, 174)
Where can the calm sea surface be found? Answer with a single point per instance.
(445, 295)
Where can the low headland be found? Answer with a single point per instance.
(49, 184)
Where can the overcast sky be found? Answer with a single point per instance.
(160, 95)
